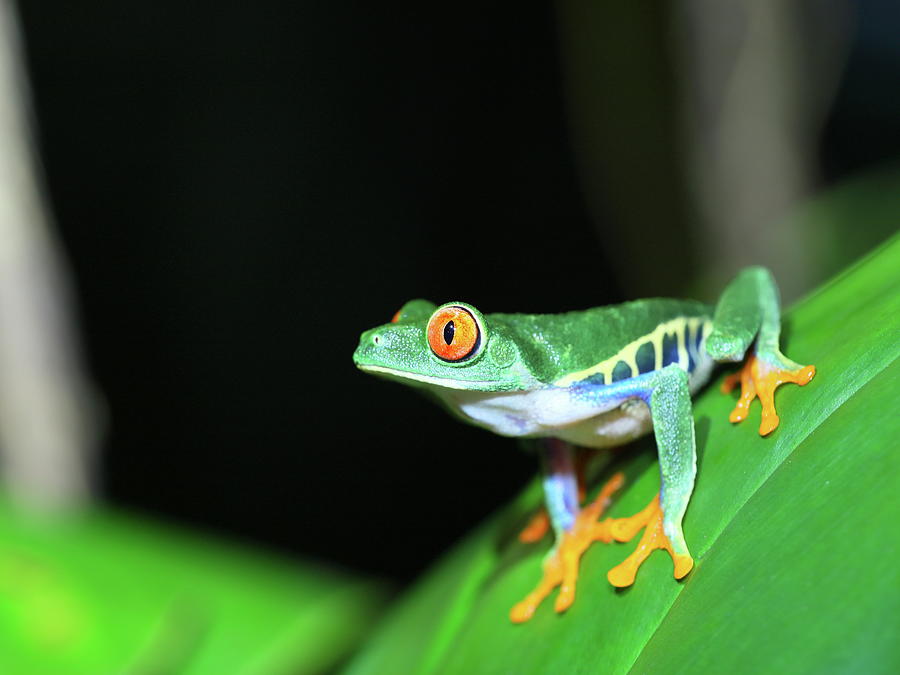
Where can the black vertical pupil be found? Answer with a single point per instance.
(449, 331)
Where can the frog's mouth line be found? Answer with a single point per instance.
(427, 379)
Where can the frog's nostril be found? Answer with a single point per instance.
(376, 340)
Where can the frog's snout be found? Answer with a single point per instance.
(370, 343)
(387, 346)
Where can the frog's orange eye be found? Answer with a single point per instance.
(396, 316)
(453, 333)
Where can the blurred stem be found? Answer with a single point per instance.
(756, 78)
(689, 164)
(622, 105)
(48, 408)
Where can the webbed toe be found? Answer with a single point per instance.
(562, 563)
(759, 377)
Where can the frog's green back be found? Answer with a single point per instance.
(557, 345)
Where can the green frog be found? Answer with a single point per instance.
(593, 379)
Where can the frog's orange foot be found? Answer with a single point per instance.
(650, 519)
(760, 377)
(561, 565)
(536, 528)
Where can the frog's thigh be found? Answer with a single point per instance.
(673, 424)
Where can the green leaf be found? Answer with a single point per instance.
(795, 535)
(101, 592)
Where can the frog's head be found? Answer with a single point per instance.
(451, 346)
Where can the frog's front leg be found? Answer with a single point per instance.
(748, 310)
(576, 528)
(668, 395)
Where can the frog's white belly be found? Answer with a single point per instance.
(629, 421)
(600, 422)
(552, 412)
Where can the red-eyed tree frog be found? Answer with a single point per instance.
(596, 378)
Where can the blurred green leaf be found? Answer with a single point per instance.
(795, 535)
(843, 224)
(107, 593)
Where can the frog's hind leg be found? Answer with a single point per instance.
(539, 524)
(668, 396)
(748, 310)
(576, 528)
(759, 378)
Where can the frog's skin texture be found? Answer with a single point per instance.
(592, 379)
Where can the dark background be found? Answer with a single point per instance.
(242, 190)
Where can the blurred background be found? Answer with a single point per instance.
(205, 205)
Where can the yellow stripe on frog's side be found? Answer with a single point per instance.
(681, 327)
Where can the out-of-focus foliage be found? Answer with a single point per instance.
(795, 535)
(851, 219)
(104, 593)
